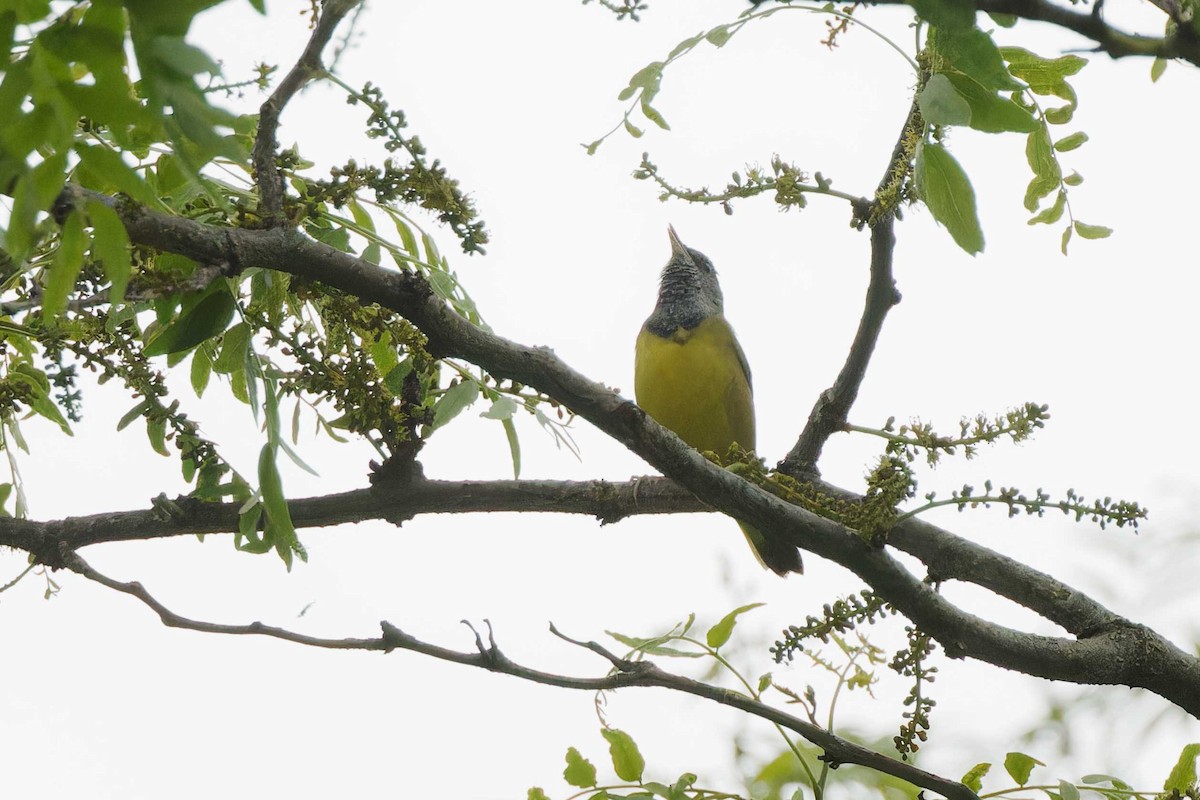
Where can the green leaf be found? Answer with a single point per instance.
(946, 14)
(973, 53)
(1044, 164)
(947, 192)
(684, 46)
(65, 267)
(502, 408)
(719, 634)
(279, 517)
(452, 403)
(201, 370)
(764, 682)
(394, 380)
(1092, 231)
(579, 772)
(1066, 238)
(1183, 775)
(103, 169)
(627, 760)
(1003, 20)
(990, 112)
(1074, 179)
(234, 345)
(110, 246)
(1019, 766)
(632, 130)
(39, 399)
(133, 414)
(1157, 69)
(652, 114)
(206, 319)
(1052, 214)
(1068, 143)
(973, 779)
(536, 793)
(941, 104)
(653, 645)
(718, 36)
(34, 192)
(514, 446)
(156, 431)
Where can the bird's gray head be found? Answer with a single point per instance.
(688, 292)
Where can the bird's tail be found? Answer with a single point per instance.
(773, 552)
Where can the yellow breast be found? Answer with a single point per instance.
(696, 383)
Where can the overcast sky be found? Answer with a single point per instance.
(104, 702)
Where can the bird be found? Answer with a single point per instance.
(691, 375)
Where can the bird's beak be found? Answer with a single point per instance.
(677, 247)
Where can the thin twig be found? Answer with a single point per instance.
(307, 67)
(488, 656)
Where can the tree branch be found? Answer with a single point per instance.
(1128, 655)
(488, 656)
(1183, 43)
(308, 66)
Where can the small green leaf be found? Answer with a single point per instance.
(1044, 164)
(514, 446)
(1066, 239)
(1074, 179)
(34, 192)
(536, 793)
(156, 431)
(1068, 143)
(718, 36)
(103, 169)
(652, 114)
(452, 403)
(941, 104)
(973, 53)
(1067, 791)
(973, 780)
(1157, 69)
(234, 345)
(719, 634)
(632, 129)
(1019, 766)
(579, 772)
(947, 192)
(1092, 231)
(201, 370)
(764, 682)
(208, 318)
(133, 414)
(502, 408)
(279, 518)
(685, 45)
(1183, 775)
(65, 267)
(110, 246)
(1052, 214)
(990, 112)
(394, 380)
(627, 760)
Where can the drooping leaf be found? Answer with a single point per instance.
(110, 246)
(947, 192)
(65, 266)
(452, 403)
(579, 772)
(1183, 775)
(208, 318)
(941, 104)
(973, 779)
(719, 634)
(627, 759)
(1019, 766)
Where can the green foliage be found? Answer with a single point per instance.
(77, 295)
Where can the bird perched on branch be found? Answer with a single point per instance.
(691, 375)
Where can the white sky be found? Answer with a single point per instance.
(103, 702)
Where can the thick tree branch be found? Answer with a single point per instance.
(488, 656)
(308, 66)
(1130, 656)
